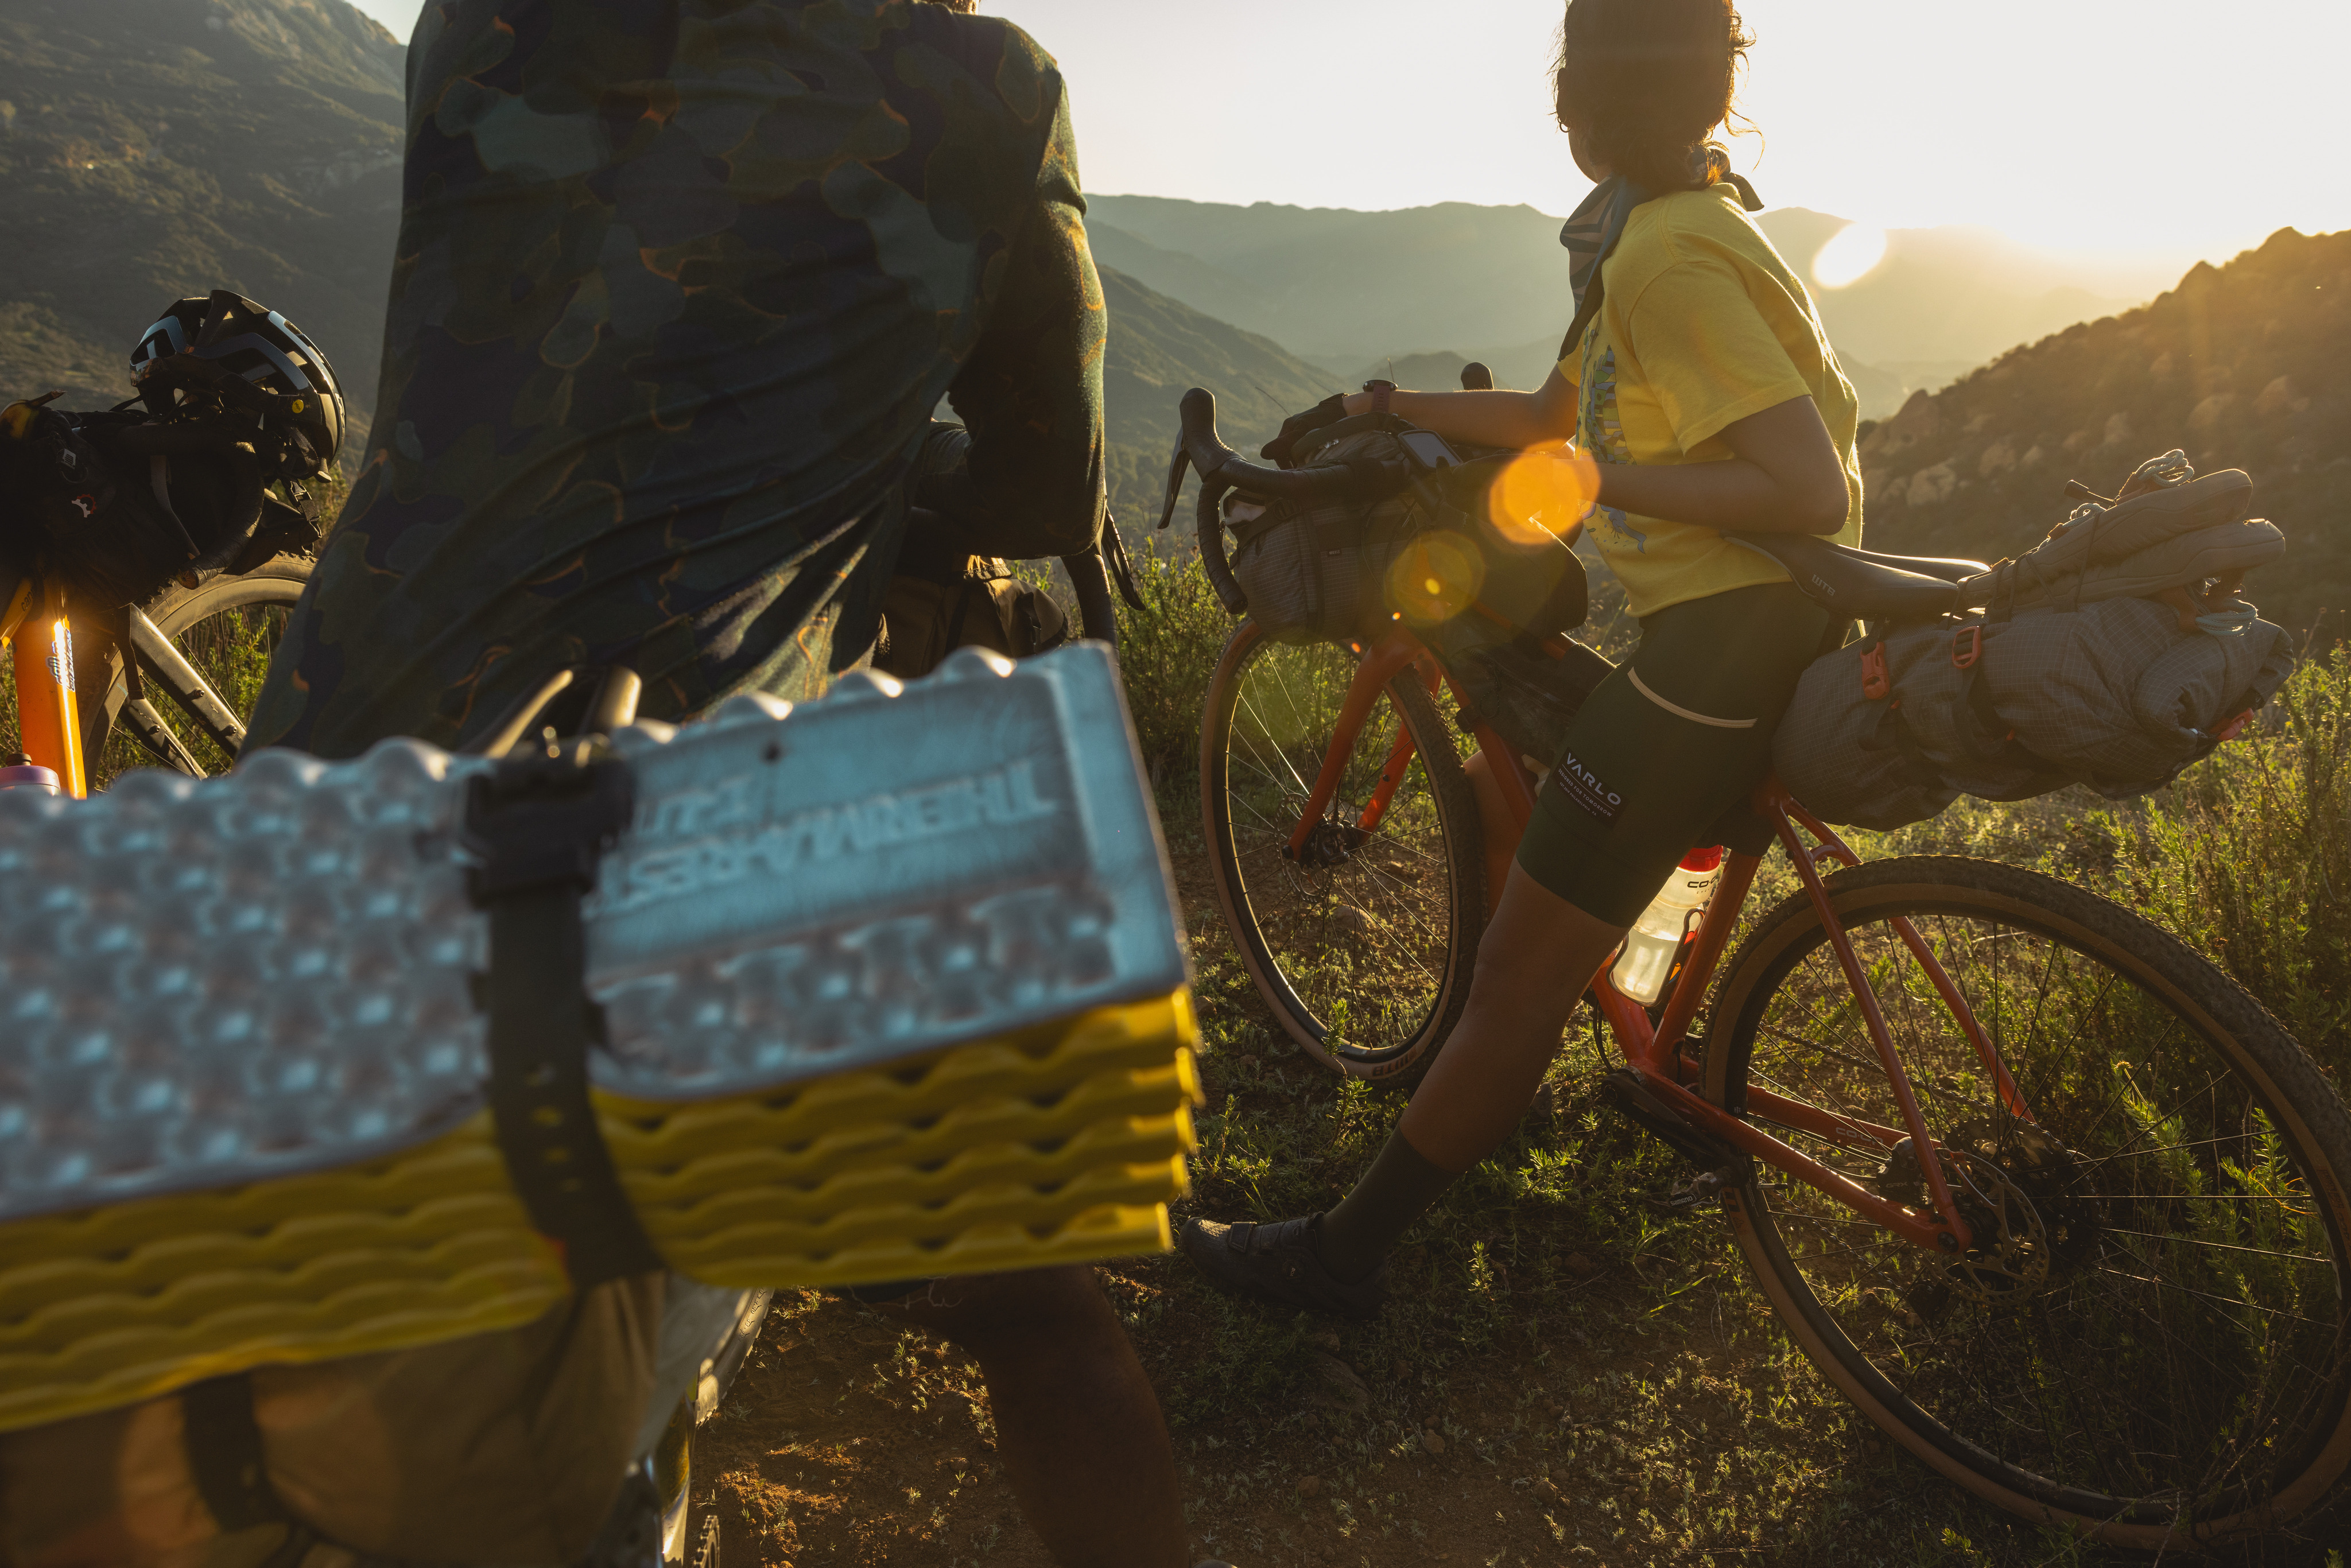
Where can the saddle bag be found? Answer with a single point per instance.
(2113, 654)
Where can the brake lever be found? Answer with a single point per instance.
(1183, 460)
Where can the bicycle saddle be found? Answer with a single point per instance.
(1864, 585)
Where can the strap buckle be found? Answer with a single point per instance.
(1876, 684)
(1967, 647)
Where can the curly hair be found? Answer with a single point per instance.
(1644, 82)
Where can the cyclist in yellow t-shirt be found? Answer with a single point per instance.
(1700, 391)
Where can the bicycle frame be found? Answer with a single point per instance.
(1654, 1050)
(34, 622)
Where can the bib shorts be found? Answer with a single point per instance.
(1664, 755)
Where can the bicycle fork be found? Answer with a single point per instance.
(35, 624)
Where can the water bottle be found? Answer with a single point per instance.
(18, 772)
(1656, 935)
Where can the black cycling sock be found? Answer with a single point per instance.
(1364, 1227)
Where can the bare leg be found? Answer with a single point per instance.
(1076, 1422)
(1538, 958)
(1538, 955)
(1501, 836)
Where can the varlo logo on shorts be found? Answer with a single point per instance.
(1582, 787)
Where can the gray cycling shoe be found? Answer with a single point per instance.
(1279, 1262)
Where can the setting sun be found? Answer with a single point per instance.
(1851, 256)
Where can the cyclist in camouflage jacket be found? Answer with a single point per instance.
(679, 285)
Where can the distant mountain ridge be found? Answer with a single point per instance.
(2242, 366)
(1160, 347)
(151, 148)
(1345, 289)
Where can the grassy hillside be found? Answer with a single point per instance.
(151, 148)
(2242, 366)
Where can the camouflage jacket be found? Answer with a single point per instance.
(679, 285)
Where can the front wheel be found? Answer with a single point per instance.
(2151, 1342)
(219, 636)
(1363, 945)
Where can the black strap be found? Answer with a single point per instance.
(540, 824)
(1893, 732)
(224, 1444)
(231, 1474)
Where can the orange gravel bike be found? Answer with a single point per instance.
(2055, 1202)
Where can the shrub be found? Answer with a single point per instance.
(2251, 861)
(1167, 651)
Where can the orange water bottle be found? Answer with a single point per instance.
(35, 625)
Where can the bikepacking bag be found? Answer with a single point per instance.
(984, 605)
(319, 1061)
(117, 504)
(2114, 654)
(1422, 549)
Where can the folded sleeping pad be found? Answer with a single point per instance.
(889, 985)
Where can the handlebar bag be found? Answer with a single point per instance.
(1336, 570)
(117, 504)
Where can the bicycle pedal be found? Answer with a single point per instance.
(850, 1030)
(1696, 1197)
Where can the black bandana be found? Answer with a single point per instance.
(1592, 231)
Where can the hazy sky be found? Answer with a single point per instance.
(2185, 129)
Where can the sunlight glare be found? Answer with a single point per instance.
(1850, 255)
(1436, 577)
(1541, 495)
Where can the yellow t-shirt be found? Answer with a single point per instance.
(1701, 325)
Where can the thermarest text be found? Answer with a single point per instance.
(1001, 799)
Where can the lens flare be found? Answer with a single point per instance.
(1541, 495)
(1436, 577)
(1851, 254)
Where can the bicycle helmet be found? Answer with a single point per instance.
(250, 357)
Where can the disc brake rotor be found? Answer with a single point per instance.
(1329, 843)
(2014, 1185)
(2009, 1259)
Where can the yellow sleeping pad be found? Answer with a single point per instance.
(1060, 1145)
(885, 987)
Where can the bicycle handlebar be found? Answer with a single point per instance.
(1222, 469)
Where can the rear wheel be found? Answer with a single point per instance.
(1362, 946)
(2148, 1342)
